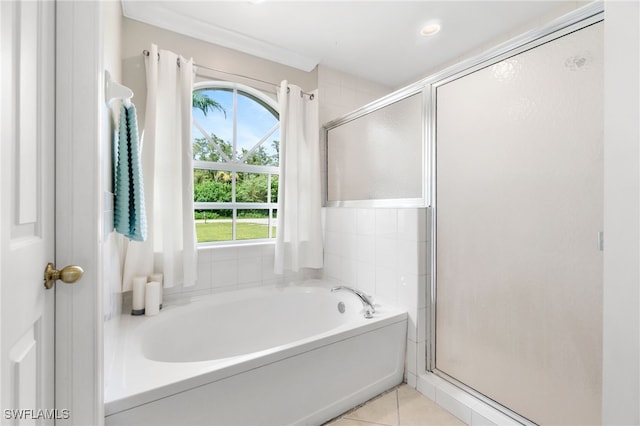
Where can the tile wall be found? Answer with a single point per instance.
(384, 252)
(340, 93)
(225, 268)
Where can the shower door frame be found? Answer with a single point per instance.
(562, 26)
(416, 89)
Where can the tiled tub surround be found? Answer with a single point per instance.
(268, 355)
(384, 252)
(228, 267)
(223, 268)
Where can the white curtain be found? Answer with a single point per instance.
(299, 229)
(167, 164)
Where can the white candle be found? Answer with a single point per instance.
(157, 277)
(139, 284)
(152, 298)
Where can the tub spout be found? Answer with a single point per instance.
(369, 309)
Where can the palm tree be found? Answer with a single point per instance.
(205, 104)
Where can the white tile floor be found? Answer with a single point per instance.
(401, 406)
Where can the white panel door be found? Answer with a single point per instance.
(27, 212)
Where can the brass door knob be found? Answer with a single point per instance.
(69, 274)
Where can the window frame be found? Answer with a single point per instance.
(235, 167)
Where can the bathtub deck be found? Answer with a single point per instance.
(400, 406)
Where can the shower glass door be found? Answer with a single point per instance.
(519, 205)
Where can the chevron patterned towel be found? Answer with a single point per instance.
(130, 218)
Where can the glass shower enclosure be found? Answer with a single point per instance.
(518, 196)
(506, 151)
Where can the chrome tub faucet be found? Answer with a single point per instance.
(369, 309)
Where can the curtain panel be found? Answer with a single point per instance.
(299, 226)
(167, 164)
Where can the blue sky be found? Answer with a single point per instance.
(253, 120)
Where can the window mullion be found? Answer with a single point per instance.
(260, 142)
(229, 206)
(230, 167)
(234, 211)
(270, 208)
(211, 141)
(235, 126)
(234, 152)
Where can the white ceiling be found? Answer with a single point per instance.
(376, 40)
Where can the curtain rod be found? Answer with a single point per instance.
(311, 95)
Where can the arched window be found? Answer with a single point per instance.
(236, 143)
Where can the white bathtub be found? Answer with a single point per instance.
(266, 356)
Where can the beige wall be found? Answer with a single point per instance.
(341, 93)
(138, 36)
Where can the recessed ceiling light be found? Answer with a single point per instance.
(430, 29)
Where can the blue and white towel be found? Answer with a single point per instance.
(130, 218)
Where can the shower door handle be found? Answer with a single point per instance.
(601, 240)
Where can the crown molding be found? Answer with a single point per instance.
(157, 14)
